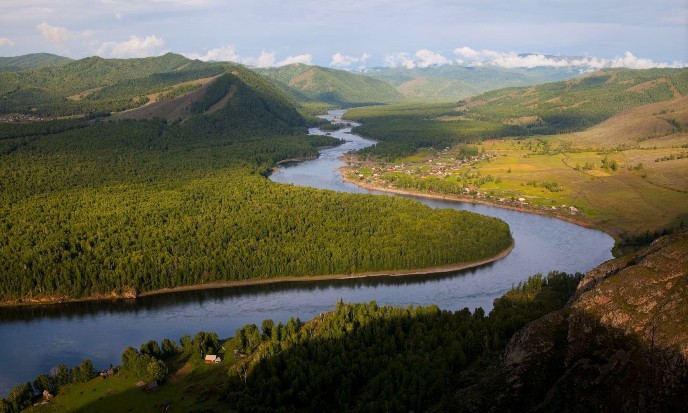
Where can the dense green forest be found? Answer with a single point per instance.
(551, 108)
(101, 207)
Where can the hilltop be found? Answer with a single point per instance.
(331, 86)
(31, 61)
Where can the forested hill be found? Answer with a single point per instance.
(550, 108)
(95, 85)
(31, 61)
(335, 87)
(453, 82)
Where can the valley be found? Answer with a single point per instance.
(125, 178)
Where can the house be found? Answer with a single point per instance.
(106, 374)
(152, 386)
(212, 359)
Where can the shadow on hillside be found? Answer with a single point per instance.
(574, 363)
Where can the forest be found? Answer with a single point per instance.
(103, 207)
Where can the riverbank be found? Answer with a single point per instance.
(346, 172)
(130, 295)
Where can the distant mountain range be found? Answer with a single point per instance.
(453, 82)
(39, 80)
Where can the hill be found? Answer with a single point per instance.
(453, 82)
(31, 61)
(625, 169)
(97, 85)
(551, 108)
(331, 86)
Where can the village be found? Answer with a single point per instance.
(21, 117)
(459, 165)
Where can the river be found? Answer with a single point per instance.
(35, 339)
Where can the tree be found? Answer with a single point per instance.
(157, 370)
(44, 382)
(169, 348)
(129, 357)
(151, 348)
(20, 397)
(86, 370)
(267, 327)
(61, 374)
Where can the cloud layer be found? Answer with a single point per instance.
(265, 59)
(134, 47)
(470, 57)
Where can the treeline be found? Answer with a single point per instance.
(402, 130)
(365, 357)
(561, 107)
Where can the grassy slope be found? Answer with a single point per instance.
(185, 388)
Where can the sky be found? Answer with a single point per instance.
(355, 34)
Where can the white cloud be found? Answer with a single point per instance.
(55, 35)
(134, 47)
(4, 41)
(468, 56)
(266, 59)
(305, 59)
(340, 60)
(222, 54)
(426, 58)
(229, 53)
(422, 58)
(466, 52)
(399, 60)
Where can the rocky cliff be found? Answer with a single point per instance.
(620, 344)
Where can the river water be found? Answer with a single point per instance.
(33, 340)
